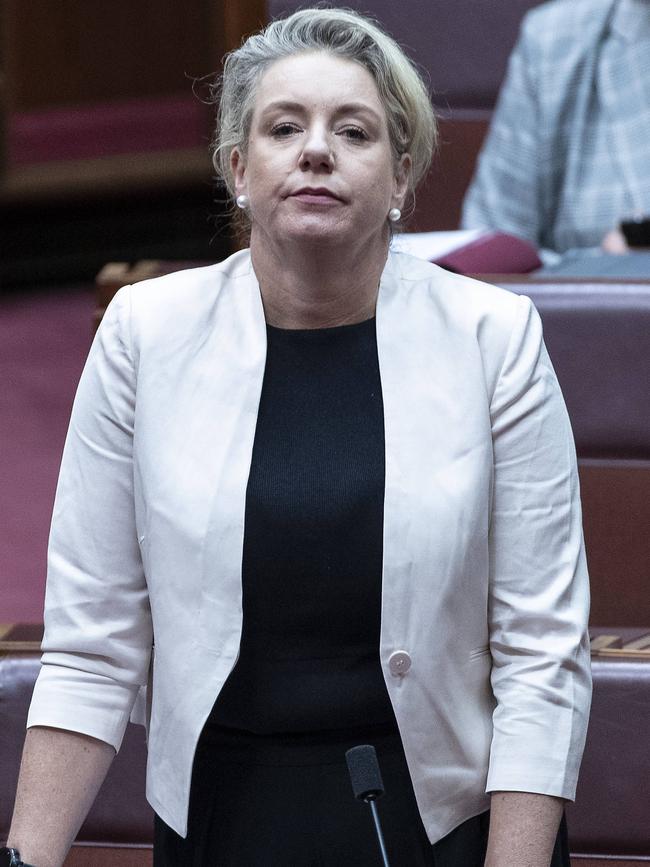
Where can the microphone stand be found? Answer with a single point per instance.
(367, 785)
(380, 836)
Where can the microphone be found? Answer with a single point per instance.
(367, 784)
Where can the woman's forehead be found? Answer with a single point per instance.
(316, 79)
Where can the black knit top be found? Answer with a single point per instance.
(312, 560)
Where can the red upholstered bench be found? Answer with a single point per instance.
(608, 822)
(611, 816)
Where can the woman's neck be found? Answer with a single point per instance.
(306, 286)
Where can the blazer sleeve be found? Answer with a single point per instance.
(504, 194)
(98, 633)
(538, 592)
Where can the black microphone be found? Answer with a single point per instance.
(367, 784)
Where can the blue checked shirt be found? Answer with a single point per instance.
(568, 151)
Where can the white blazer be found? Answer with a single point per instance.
(485, 588)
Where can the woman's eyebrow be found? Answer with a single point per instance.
(282, 105)
(299, 108)
(358, 108)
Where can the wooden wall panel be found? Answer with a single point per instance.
(3, 97)
(80, 51)
(439, 199)
(238, 20)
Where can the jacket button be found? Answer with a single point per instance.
(399, 663)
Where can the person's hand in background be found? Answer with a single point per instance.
(614, 242)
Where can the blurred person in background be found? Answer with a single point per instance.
(567, 156)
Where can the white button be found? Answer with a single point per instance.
(399, 663)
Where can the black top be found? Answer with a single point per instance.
(312, 560)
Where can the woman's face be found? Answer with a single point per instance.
(319, 165)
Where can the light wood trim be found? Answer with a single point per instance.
(602, 642)
(637, 648)
(114, 175)
(622, 653)
(20, 646)
(641, 643)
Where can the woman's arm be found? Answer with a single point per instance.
(60, 775)
(538, 601)
(98, 631)
(523, 828)
(538, 606)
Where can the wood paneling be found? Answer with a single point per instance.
(439, 199)
(238, 20)
(3, 97)
(616, 507)
(89, 53)
(109, 176)
(78, 51)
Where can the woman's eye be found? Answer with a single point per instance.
(281, 130)
(355, 133)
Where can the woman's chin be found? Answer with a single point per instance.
(318, 231)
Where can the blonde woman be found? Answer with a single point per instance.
(336, 488)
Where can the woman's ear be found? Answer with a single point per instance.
(401, 182)
(238, 169)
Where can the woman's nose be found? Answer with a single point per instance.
(317, 152)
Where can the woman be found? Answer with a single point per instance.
(368, 457)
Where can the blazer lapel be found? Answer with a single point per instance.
(240, 353)
(433, 455)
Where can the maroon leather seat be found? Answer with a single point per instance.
(598, 336)
(121, 818)
(611, 815)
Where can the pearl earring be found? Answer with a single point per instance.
(394, 214)
(242, 202)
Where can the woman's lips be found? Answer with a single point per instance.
(316, 197)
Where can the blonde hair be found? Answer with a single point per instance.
(342, 32)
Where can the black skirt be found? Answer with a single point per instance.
(286, 801)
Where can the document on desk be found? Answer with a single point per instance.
(433, 245)
(591, 263)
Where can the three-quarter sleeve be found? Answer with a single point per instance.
(98, 633)
(538, 591)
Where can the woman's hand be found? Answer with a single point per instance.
(523, 828)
